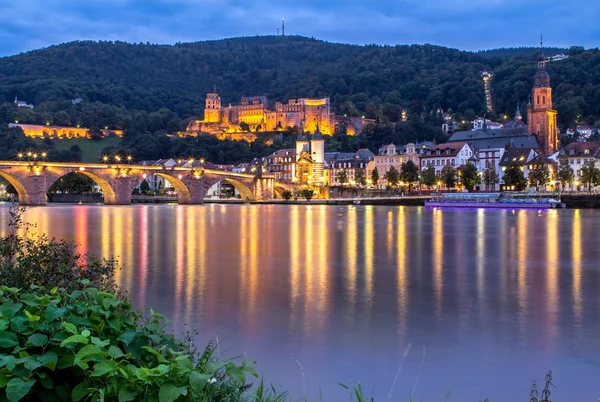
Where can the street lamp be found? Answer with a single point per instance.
(129, 157)
(105, 158)
(118, 158)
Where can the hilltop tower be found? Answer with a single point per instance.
(212, 111)
(541, 118)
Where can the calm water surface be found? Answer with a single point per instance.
(478, 302)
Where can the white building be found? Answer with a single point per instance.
(455, 154)
(22, 103)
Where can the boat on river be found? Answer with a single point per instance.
(506, 199)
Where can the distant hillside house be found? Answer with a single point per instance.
(60, 132)
(22, 103)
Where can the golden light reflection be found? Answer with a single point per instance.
(350, 228)
(253, 267)
(522, 233)
(143, 258)
(369, 272)
(180, 241)
(576, 258)
(323, 269)
(196, 267)
(294, 239)
(438, 259)
(480, 255)
(401, 281)
(309, 269)
(552, 272)
(115, 233)
(390, 232)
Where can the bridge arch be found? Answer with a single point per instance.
(245, 191)
(21, 191)
(107, 189)
(183, 192)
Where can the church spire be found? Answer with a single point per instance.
(518, 113)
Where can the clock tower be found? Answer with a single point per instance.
(541, 118)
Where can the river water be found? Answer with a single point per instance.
(477, 303)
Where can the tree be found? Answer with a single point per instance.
(286, 194)
(490, 178)
(409, 173)
(539, 175)
(342, 177)
(470, 176)
(72, 183)
(144, 187)
(360, 177)
(590, 174)
(244, 126)
(514, 177)
(565, 173)
(307, 193)
(392, 176)
(428, 175)
(449, 176)
(375, 177)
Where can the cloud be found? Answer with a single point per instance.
(464, 24)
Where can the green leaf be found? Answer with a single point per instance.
(9, 309)
(8, 339)
(38, 339)
(3, 380)
(53, 290)
(75, 339)
(49, 360)
(127, 337)
(19, 324)
(198, 381)
(114, 323)
(97, 341)
(32, 317)
(17, 388)
(103, 367)
(31, 363)
(86, 333)
(79, 391)
(69, 327)
(127, 394)
(169, 392)
(115, 352)
(52, 313)
(4, 324)
(87, 351)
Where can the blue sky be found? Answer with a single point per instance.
(463, 24)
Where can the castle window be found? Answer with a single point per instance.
(544, 100)
(538, 99)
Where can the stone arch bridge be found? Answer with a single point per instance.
(117, 181)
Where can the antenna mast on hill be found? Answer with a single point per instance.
(282, 27)
(277, 30)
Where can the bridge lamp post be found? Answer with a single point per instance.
(118, 158)
(105, 159)
(44, 154)
(20, 155)
(129, 158)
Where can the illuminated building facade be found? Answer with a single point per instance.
(60, 132)
(310, 159)
(253, 115)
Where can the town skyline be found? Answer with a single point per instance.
(475, 26)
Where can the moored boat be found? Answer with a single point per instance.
(507, 199)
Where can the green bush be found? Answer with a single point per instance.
(287, 195)
(90, 345)
(27, 259)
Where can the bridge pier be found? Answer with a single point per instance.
(122, 187)
(263, 188)
(195, 192)
(36, 191)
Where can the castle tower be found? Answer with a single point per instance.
(212, 111)
(541, 118)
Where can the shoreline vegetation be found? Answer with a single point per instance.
(68, 333)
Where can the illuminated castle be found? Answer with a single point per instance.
(253, 115)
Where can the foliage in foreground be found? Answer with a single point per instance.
(90, 345)
(43, 261)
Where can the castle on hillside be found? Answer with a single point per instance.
(253, 115)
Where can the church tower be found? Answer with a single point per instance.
(541, 118)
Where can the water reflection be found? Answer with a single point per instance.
(327, 284)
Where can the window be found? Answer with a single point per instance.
(587, 151)
(579, 161)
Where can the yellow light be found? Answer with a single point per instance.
(129, 157)
(35, 156)
(105, 158)
(180, 177)
(202, 160)
(118, 158)
(28, 153)
(82, 169)
(20, 155)
(47, 123)
(191, 160)
(144, 175)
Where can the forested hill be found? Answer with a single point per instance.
(120, 82)
(519, 51)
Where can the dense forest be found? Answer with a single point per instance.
(155, 89)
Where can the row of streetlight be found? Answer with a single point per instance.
(117, 158)
(32, 155)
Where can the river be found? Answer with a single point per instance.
(477, 303)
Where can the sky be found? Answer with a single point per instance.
(464, 24)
